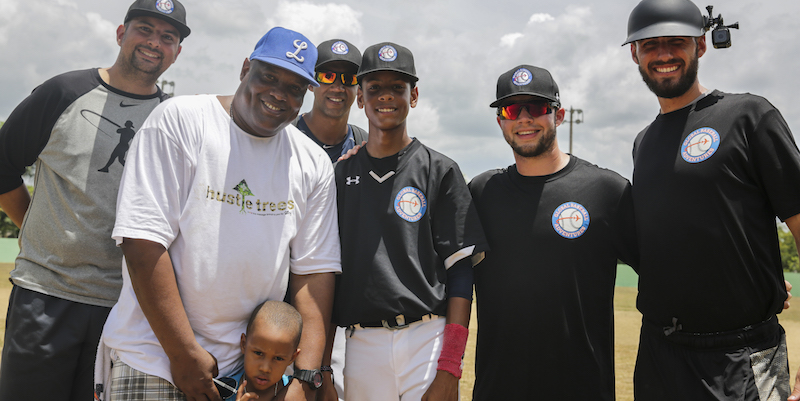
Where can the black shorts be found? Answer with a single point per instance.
(50, 346)
(749, 364)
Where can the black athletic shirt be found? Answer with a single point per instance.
(403, 219)
(545, 289)
(708, 181)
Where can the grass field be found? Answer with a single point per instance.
(627, 323)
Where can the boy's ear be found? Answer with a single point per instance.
(414, 96)
(294, 356)
(242, 341)
(360, 98)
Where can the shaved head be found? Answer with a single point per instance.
(279, 315)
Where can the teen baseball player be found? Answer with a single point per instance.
(407, 245)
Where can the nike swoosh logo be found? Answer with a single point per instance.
(327, 146)
(121, 104)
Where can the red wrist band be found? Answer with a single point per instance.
(453, 346)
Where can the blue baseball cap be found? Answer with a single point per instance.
(288, 49)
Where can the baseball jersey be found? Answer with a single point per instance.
(76, 128)
(405, 219)
(708, 181)
(545, 289)
(236, 212)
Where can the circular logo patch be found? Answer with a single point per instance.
(522, 77)
(571, 220)
(700, 145)
(340, 48)
(387, 53)
(410, 204)
(165, 6)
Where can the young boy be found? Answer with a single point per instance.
(406, 285)
(269, 346)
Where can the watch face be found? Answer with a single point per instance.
(317, 379)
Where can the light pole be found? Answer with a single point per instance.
(578, 119)
(164, 84)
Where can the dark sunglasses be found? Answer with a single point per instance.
(511, 112)
(226, 386)
(329, 77)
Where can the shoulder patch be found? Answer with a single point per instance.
(570, 220)
(410, 204)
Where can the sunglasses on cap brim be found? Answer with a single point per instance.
(329, 77)
(512, 111)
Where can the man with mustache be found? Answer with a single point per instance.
(711, 173)
(67, 275)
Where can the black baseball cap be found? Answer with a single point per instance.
(171, 11)
(337, 50)
(388, 56)
(526, 80)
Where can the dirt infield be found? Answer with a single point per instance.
(627, 323)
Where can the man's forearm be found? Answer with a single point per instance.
(153, 279)
(15, 203)
(312, 295)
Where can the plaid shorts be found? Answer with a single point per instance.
(128, 384)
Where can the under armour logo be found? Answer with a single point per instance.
(300, 46)
(353, 181)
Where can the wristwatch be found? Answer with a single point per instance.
(312, 377)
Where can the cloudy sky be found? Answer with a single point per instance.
(460, 47)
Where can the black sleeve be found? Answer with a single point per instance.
(460, 278)
(777, 162)
(625, 230)
(27, 130)
(456, 225)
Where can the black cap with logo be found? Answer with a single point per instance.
(388, 56)
(171, 11)
(337, 50)
(526, 80)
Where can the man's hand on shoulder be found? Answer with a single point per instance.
(350, 153)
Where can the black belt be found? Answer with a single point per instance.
(396, 323)
(745, 336)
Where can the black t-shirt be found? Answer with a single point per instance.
(545, 289)
(708, 181)
(404, 220)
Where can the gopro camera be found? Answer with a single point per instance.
(721, 35)
(721, 38)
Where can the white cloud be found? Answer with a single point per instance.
(509, 39)
(319, 22)
(539, 18)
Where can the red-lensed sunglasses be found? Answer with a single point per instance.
(329, 77)
(511, 111)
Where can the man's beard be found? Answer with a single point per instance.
(139, 67)
(545, 144)
(669, 90)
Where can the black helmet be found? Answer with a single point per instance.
(655, 18)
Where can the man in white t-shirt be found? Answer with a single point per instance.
(220, 202)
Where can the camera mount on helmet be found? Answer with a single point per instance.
(721, 35)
